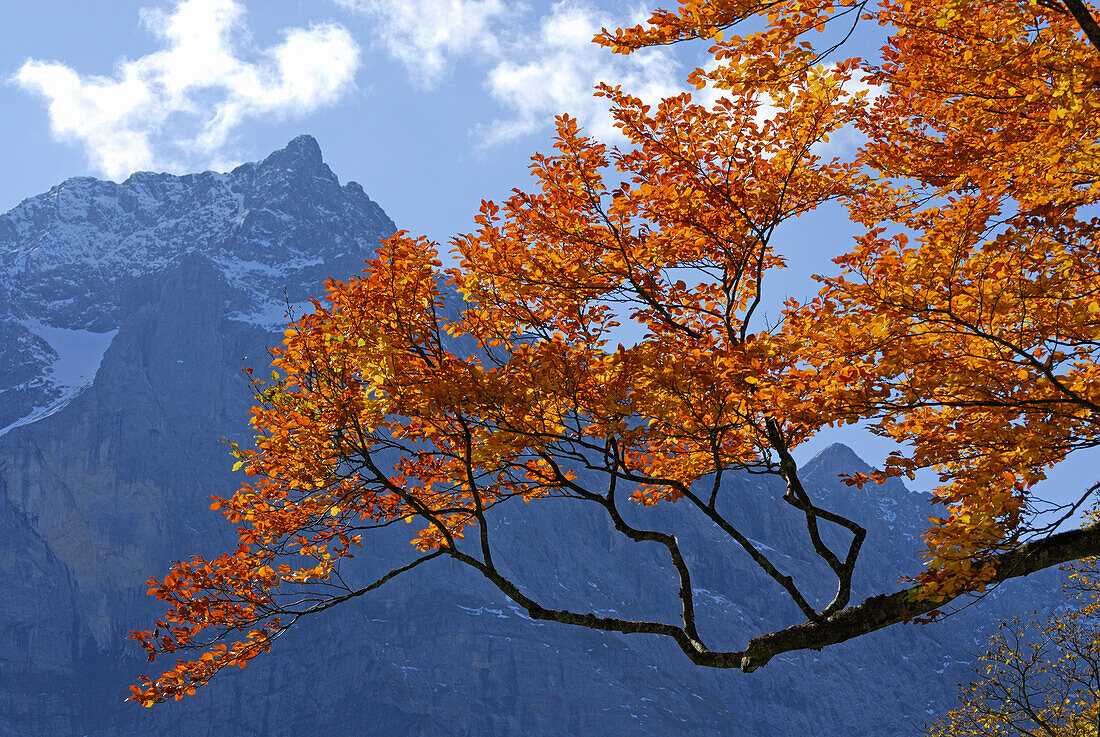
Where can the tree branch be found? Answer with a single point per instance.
(1084, 19)
(797, 497)
(883, 610)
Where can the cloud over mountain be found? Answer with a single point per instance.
(178, 106)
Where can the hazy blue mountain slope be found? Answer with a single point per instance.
(126, 313)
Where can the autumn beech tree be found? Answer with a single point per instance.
(963, 323)
(1037, 679)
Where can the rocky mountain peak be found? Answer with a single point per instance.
(76, 259)
(303, 148)
(836, 459)
(299, 160)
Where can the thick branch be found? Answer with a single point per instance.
(881, 611)
(797, 497)
(690, 646)
(1084, 19)
(670, 542)
(758, 557)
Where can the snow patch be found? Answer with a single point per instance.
(78, 355)
(242, 211)
(769, 548)
(273, 316)
(887, 507)
(477, 612)
(717, 599)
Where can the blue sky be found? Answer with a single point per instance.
(431, 105)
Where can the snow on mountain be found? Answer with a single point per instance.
(75, 356)
(76, 259)
(68, 256)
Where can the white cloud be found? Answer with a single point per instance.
(536, 67)
(554, 71)
(176, 108)
(425, 35)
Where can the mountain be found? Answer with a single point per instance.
(127, 312)
(76, 261)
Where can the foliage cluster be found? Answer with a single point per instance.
(964, 323)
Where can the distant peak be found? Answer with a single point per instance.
(301, 153)
(838, 458)
(836, 449)
(304, 146)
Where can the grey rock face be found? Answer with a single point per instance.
(77, 260)
(127, 311)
